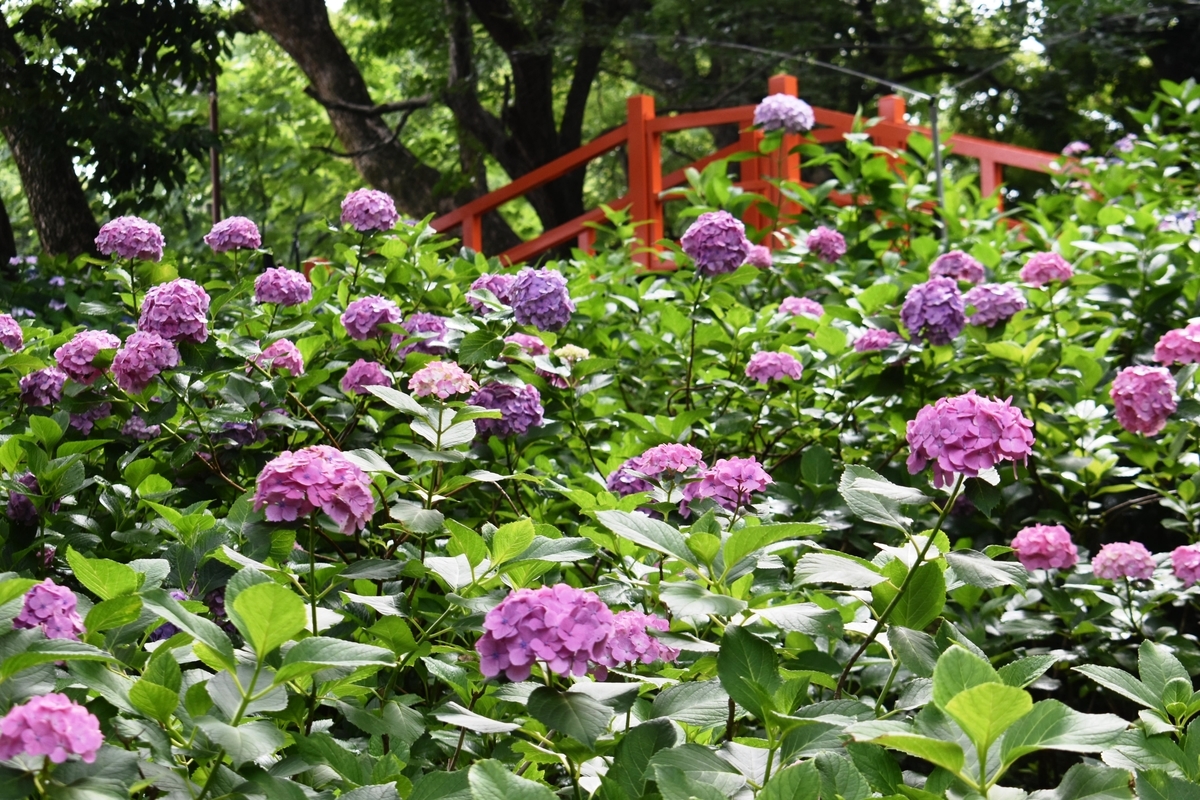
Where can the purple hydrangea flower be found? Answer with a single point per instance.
(11, 335)
(43, 387)
(994, 303)
(176, 310)
(1123, 560)
(1125, 144)
(281, 354)
(730, 482)
(167, 630)
(441, 378)
(797, 306)
(664, 463)
(716, 242)
(957, 265)
(1043, 268)
(1179, 222)
(1144, 398)
(242, 434)
(760, 256)
(20, 508)
(501, 287)
(363, 317)
(76, 356)
(1076, 148)
(1185, 563)
(131, 237)
(520, 408)
(875, 339)
(232, 234)
(422, 323)
(532, 345)
(765, 367)
(284, 287)
(140, 361)
(784, 112)
(1045, 547)
(52, 608)
(966, 435)
(369, 210)
(827, 244)
(540, 298)
(294, 485)
(631, 642)
(1180, 346)
(85, 420)
(136, 427)
(51, 725)
(362, 374)
(934, 310)
(215, 600)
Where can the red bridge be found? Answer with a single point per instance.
(641, 136)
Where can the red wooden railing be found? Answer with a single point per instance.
(641, 135)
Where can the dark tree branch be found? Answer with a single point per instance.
(371, 111)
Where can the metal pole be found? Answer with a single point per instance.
(214, 153)
(937, 168)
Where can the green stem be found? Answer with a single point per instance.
(687, 382)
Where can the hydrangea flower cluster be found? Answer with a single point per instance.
(362, 374)
(765, 367)
(1075, 149)
(730, 482)
(1185, 563)
(827, 244)
(501, 287)
(520, 408)
(20, 508)
(1125, 144)
(294, 485)
(232, 234)
(363, 317)
(1123, 560)
(716, 242)
(176, 310)
(1045, 547)
(368, 210)
(801, 306)
(966, 435)
(43, 387)
(1144, 398)
(136, 427)
(572, 352)
(994, 303)
(144, 356)
(51, 725)
(1180, 346)
(1043, 268)
(760, 256)
(665, 463)
(53, 609)
(283, 287)
(441, 378)
(957, 265)
(281, 354)
(11, 335)
(530, 344)
(630, 640)
(422, 323)
(934, 310)
(131, 237)
(539, 298)
(784, 112)
(76, 356)
(85, 420)
(875, 339)
(1179, 222)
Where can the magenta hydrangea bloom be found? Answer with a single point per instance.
(136, 427)
(76, 356)
(234, 233)
(716, 242)
(11, 335)
(625, 481)
(765, 367)
(1144, 398)
(1185, 563)
(140, 361)
(1045, 547)
(43, 387)
(85, 420)
(784, 112)
(520, 408)
(827, 244)
(363, 317)
(441, 378)
(294, 485)
(760, 256)
(501, 287)
(631, 642)
(362, 374)
(52, 608)
(966, 435)
(797, 306)
(1043, 268)
(664, 463)
(131, 237)
(875, 339)
(563, 627)
(51, 725)
(1125, 144)
(369, 210)
(994, 303)
(20, 508)
(281, 354)
(934, 310)
(532, 345)
(730, 482)
(1123, 560)
(1076, 148)
(419, 324)
(539, 298)
(1180, 346)
(284, 287)
(957, 265)
(176, 310)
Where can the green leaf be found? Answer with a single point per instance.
(571, 713)
(876, 765)
(748, 540)
(900, 736)
(634, 752)
(512, 539)
(46, 430)
(13, 588)
(398, 400)
(567, 550)
(922, 601)
(799, 782)
(47, 651)
(807, 618)
(155, 701)
(103, 578)
(702, 765)
(443, 786)
(876, 296)
(958, 670)
(1050, 725)
(748, 669)
(454, 714)
(816, 465)
(113, 613)
(704, 704)
(866, 494)
(1026, 670)
(976, 569)
(249, 741)
(692, 599)
(831, 567)
(1091, 782)
(840, 778)
(268, 615)
(917, 650)
(491, 780)
(1121, 682)
(205, 631)
(479, 346)
(467, 542)
(1157, 666)
(319, 652)
(648, 533)
(987, 710)
(674, 784)
(1157, 785)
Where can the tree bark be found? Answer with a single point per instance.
(8, 243)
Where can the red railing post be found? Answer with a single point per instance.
(782, 164)
(991, 175)
(891, 108)
(645, 176)
(472, 233)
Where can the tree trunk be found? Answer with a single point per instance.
(8, 244)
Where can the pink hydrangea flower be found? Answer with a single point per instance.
(563, 627)
(363, 317)
(51, 725)
(1076, 148)
(1185, 563)
(1123, 560)
(539, 297)
(11, 335)
(765, 367)
(957, 265)
(934, 310)
(176, 310)
(281, 354)
(532, 345)
(1043, 268)
(369, 210)
(760, 256)
(994, 303)
(1144, 398)
(730, 482)
(362, 374)
(520, 408)
(76, 356)
(1045, 547)
(501, 287)
(131, 237)
(52, 608)
(282, 287)
(827, 244)
(1180, 346)
(716, 242)
(294, 485)
(797, 306)
(232, 234)
(784, 112)
(966, 435)
(144, 356)
(442, 378)
(875, 339)
(43, 387)
(664, 463)
(631, 642)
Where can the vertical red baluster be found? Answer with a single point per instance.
(991, 176)
(645, 176)
(891, 108)
(472, 233)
